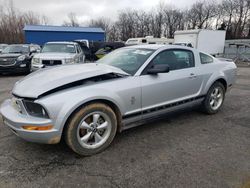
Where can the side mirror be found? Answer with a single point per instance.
(163, 68)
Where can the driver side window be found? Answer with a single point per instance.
(175, 59)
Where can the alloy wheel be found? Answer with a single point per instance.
(94, 130)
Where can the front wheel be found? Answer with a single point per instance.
(214, 98)
(91, 129)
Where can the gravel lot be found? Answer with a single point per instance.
(188, 149)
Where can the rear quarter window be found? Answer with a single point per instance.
(206, 59)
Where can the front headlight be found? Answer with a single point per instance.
(69, 60)
(35, 61)
(21, 58)
(35, 109)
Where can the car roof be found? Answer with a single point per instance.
(146, 46)
(22, 44)
(61, 42)
(19, 44)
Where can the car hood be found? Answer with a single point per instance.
(10, 55)
(54, 55)
(45, 80)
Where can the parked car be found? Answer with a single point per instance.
(2, 46)
(88, 103)
(84, 44)
(58, 53)
(108, 47)
(16, 58)
(96, 50)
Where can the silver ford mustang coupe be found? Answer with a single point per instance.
(87, 104)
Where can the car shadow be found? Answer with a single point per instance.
(4, 75)
(167, 121)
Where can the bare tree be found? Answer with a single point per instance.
(103, 23)
(162, 20)
(236, 15)
(13, 21)
(173, 19)
(201, 13)
(72, 20)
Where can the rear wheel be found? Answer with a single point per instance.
(214, 98)
(91, 129)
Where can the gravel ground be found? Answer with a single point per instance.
(188, 149)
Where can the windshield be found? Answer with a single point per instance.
(16, 49)
(59, 48)
(129, 60)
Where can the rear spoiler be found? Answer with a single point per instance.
(226, 59)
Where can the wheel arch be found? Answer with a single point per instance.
(107, 102)
(222, 80)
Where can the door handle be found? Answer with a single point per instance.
(192, 75)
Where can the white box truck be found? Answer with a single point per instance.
(209, 41)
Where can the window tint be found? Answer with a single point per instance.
(205, 59)
(16, 49)
(58, 48)
(176, 59)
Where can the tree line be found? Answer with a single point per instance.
(12, 22)
(162, 21)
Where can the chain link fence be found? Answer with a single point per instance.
(238, 50)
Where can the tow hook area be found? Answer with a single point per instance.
(54, 140)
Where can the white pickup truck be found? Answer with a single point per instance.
(58, 53)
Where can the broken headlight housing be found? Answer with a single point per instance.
(35, 109)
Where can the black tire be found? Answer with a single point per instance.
(72, 128)
(206, 106)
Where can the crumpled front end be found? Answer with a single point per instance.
(27, 126)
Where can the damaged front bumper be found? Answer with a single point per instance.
(17, 121)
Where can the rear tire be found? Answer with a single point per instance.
(214, 98)
(91, 129)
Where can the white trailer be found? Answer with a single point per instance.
(148, 40)
(209, 41)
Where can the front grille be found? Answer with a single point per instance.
(7, 61)
(51, 62)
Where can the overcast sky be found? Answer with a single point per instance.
(57, 10)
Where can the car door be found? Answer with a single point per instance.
(180, 83)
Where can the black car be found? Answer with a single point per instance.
(98, 49)
(107, 47)
(16, 58)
